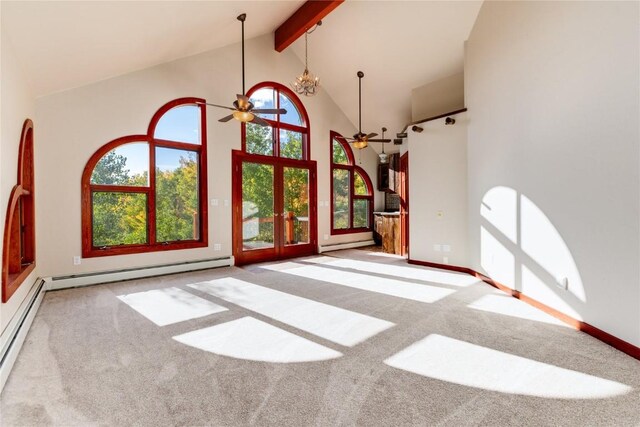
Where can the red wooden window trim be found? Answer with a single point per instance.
(19, 243)
(277, 124)
(352, 168)
(88, 249)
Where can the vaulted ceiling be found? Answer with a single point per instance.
(399, 45)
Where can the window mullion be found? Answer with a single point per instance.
(151, 196)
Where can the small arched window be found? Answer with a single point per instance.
(351, 190)
(143, 193)
(288, 135)
(19, 245)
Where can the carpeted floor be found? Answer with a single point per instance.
(353, 338)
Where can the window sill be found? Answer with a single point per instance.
(141, 249)
(350, 231)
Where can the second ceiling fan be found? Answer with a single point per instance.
(361, 140)
(243, 109)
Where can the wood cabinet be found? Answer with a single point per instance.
(387, 232)
(389, 174)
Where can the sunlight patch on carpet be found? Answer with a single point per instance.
(252, 339)
(412, 291)
(335, 324)
(472, 365)
(171, 305)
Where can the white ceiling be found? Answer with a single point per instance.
(398, 45)
(65, 44)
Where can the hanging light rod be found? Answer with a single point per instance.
(307, 84)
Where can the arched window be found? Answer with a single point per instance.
(19, 245)
(288, 135)
(351, 190)
(143, 193)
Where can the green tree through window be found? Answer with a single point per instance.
(118, 209)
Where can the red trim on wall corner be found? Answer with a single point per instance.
(579, 325)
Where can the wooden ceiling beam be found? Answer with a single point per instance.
(302, 19)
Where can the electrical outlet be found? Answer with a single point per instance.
(445, 260)
(226, 202)
(326, 237)
(437, 247)
(446, 248)
(77, 260)
(563, 283)
(214, 202)
(217, 247)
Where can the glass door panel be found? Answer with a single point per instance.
(257, 206)
(296, 219)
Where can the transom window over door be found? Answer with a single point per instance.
(288, 135)
(351, 190)
(143, 193)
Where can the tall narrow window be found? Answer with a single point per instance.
(352, 191)
(19, 251)
(147, 193)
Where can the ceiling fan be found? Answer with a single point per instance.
(242, 107)
(361, 140)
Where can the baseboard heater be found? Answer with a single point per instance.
(15, 333)
(349, 245)
(78, 280)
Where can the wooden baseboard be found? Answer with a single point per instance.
(603, 336)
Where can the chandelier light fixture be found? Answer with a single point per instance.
(306, 84)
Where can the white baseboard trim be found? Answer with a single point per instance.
(350, 245)
(15, 333)
(65, 282)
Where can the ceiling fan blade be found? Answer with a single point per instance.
(243, 102)
(260, 121)
(216, 105)
(379, 140)
(226, 118)
(371, 135)
(269, 111)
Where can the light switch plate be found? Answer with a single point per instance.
(214, 202)
(217, 247)
(446, 248)
(77, 260)
(437, 247)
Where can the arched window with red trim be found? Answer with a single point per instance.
(143, 193)
(288, 135)
(351, 190)
(19, 243)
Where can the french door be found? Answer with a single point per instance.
(274, 208)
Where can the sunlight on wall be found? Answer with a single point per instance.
(507, 306)
(426, 275)
(396, 288)
(499, 207)
(335, 324)
(542, 242)
(251, 339)
(521, 249)
(496, 260)
(471, 365)
(535, 288)
(170, 305)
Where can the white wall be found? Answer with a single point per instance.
(553, 94)
(438, 97)
(74, 123)
(438, 184)
(17, 104)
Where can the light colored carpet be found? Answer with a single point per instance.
(353, 338)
